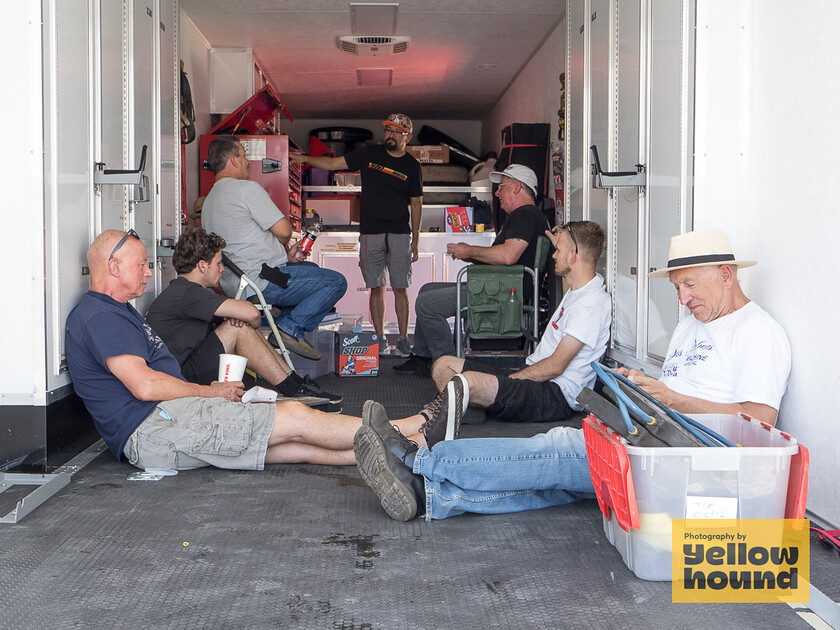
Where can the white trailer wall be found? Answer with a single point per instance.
(766, 152)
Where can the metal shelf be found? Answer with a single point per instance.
(429, 189)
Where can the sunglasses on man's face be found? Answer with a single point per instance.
(122, 241)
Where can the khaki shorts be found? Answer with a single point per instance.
(378, 251)
(188, 433)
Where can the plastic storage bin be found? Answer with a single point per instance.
(640, 489)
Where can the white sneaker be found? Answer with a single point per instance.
(383, 345)
(403, 347)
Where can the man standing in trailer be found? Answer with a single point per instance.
(389, 235)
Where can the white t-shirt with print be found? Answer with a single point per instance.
(740, 357)
(585, 314)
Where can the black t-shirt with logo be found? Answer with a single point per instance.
(388, 184)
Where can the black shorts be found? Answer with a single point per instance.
(521, 400)
(202, 365)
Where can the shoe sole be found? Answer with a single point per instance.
(398, 501)
(458, 399)
(294, 345)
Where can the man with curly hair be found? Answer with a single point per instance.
(198, 324)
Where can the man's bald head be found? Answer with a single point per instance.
(123, 274)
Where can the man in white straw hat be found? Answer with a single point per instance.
(731, 356)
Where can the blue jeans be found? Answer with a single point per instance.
(309, 296)
(500, 475)
(436, 301)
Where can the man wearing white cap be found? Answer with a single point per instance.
(515, 244)
(389, 235)
(731, 356)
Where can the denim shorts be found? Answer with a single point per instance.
(378, 251)
(188, 433)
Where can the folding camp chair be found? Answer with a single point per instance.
(245, 281)
(489, 312)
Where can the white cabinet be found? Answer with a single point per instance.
(339, 251)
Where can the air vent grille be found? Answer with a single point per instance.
(372, 45)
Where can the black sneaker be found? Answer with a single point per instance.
(445, 412)
(308, 387)
(415, 365)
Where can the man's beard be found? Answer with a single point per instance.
(390, 143)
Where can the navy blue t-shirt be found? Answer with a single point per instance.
(97, 329)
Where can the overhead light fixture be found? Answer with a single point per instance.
(374, 76)
(373, 18)
(372, 45)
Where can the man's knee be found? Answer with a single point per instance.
(447, 364)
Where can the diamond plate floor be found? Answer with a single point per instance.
(308, 547)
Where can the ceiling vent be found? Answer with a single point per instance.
(373, 45)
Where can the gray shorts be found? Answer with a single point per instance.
(188, 433)
(378, 251)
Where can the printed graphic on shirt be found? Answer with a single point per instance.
(387, 171)
(151, 336)
(559, 315)
(699, 352)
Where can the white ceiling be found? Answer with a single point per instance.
(440, 76)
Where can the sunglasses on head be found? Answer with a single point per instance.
(120, 243)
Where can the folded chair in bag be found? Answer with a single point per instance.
(494, 308)
(245, 281)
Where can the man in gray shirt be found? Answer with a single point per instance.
(257, 233)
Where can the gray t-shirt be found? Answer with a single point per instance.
(242, 213)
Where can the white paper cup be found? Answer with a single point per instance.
(231, 367)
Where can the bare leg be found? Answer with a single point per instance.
(296, 453)
(247, 342)
(483, 388)
(444, 369)
(401, 306)
(377, 309)
(297, 423)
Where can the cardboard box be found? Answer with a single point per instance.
(335, 211)
(459, 219)
(429, 153)
(356, 354)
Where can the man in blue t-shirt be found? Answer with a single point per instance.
(149, 415)
(392, 181)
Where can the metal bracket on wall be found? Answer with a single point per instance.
(616, 179)
(114, 177)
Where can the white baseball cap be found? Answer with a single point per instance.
(518, 172)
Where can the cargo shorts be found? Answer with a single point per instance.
(378, 251)
(188, 433)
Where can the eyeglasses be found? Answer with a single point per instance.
(572, 234)
(507, 184)
(395, 132)
(566, 226)
(122, 241)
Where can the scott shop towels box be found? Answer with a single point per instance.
(356, 354)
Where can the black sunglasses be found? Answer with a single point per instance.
(567, 226)
(122, 241)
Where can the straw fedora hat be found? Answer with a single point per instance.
(700, 248)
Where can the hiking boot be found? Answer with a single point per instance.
(308, 387)
(399, 490)
(299, 346)
(373, 416)
(403, 347)
(445, 412)
(383, 345)
(414, 365)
